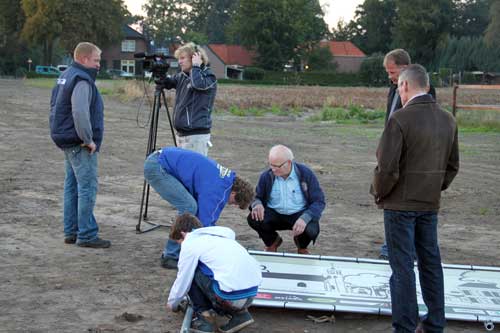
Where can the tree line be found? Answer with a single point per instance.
(457, 34)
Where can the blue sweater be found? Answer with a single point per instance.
(309, 185)
(208, 182)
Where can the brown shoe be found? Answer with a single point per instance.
(299, 250)
(302, 251)
(274, 246)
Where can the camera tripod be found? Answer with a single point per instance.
(159, 97)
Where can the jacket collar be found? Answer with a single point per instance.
(92, 72)
(427, 98)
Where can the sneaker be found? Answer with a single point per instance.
(274, 246)
(239, 321)
(299, 250)
(97, 243)
(383, 257)
(70, 240)
(200, 325)
(168, 263)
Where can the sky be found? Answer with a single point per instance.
(334, 9)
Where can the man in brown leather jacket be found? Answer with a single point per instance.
(417, 158)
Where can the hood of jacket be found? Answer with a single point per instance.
(214, 231)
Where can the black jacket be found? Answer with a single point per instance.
(194, 100)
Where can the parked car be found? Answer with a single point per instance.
(47, 70)
(118, 73)
(62, 68)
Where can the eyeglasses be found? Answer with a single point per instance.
(277, 166)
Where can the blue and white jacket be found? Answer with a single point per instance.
(208, 182)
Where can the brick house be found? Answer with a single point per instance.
(121, 56)
(347, 55)
(228, 61)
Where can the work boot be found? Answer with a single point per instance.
(168, 262)
(199, 324)
(274, 246)
(70, 240)
(97, 243)
(238, 321)
(299, 249)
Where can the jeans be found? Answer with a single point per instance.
(171, 190)
(407, 232)
(198, 143)
(204, 298)
(80, 190)
(274, 221)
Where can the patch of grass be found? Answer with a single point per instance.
(483, 211)
(354, 114)
(41, 82)
(258, 112)
(479, 120)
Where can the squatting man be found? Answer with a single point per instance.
(216, 272)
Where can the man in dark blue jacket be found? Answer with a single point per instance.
(194, 184)
(288, 197)
(195, 89)
(76, 126)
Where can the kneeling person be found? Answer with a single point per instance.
(216, 272)
(288, 196)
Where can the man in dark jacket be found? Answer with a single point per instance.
(76, 126)
(417, 159)
(196, 87)
(394, 62)
(288, 197)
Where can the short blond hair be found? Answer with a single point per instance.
(191, 48)
(85, 49)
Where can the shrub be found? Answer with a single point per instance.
(253, 73)
(372, 72)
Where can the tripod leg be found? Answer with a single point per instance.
(153, 128)
(169, 118)
(138, 226)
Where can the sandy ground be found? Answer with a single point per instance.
(47, 286)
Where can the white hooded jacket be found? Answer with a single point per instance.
(233, 267)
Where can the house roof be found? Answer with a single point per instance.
(129, 32)
(233, 54)
(343, 49)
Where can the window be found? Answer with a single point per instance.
(128, 66)
(128, 45)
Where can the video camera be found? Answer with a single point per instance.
(155, 63)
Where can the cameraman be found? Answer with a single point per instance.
(196, 87)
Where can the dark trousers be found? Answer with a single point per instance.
(407, 232)
(204, 298)
(275, 221)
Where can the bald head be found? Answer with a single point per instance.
(280, 160)
(281, 151)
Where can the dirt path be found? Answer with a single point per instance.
(47, 286)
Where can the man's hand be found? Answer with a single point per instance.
(196, 60)
(91, 147)
(299, 227)
(258, 212)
